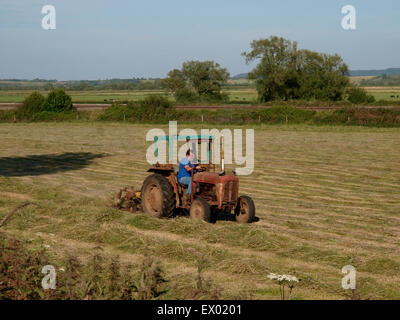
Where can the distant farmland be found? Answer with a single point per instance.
(236, 95)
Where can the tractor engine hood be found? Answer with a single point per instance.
(214, 178)
(226, 187)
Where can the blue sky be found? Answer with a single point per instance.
(99, 39)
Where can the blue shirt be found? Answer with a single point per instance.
(182, 171)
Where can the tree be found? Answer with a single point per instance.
(323, 76)
(275, 75)
(32, 104)
(57, 101)
(197, 78)
(175, 81)
(359, 96)
(285, 72)
(205, 77)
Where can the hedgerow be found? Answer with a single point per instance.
(158, 109)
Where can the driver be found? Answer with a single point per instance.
(186, 166)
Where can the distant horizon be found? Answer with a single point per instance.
(154, 78)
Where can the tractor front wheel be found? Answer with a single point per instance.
(245, 211)
(200, 210)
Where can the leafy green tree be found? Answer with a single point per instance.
(155, 102)
(275, 75)
(186, 95)
(322, 76)
(285, 72)
(359, 96)
(32, 104)
(175, 81)
(57, 101)
(151, 108)
(203, 79)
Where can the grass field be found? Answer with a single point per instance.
(239, 95)
(84, 96)
(235, 95)
(106, 96)
(385, 93)
(357, 80)
(325, 197)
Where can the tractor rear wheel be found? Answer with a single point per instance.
(200, 210)
(158, 198)
(245, 211)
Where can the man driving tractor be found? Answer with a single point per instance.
(186, 166)
(163, 192)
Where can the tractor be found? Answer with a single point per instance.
(213, 192)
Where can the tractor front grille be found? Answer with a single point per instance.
(230, 191)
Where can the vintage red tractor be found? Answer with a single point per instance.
(212, 192)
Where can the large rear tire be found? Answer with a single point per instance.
(200, 210)
(245, 211)
(158, 198)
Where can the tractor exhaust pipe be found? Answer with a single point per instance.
(223, 157)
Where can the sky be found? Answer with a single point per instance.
(100, 39)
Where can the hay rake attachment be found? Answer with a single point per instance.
(128, 199)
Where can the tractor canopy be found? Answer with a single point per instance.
(194, 141)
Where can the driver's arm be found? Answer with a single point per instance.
(188, 168)
(195, 167)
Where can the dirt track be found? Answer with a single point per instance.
(11, 106)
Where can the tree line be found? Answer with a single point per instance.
(283, 72)
(82, 85)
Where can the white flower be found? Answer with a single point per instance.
(273, 276)
(39, 234)
(283, 278)
(46, 246)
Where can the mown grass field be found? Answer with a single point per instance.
(325, 197)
